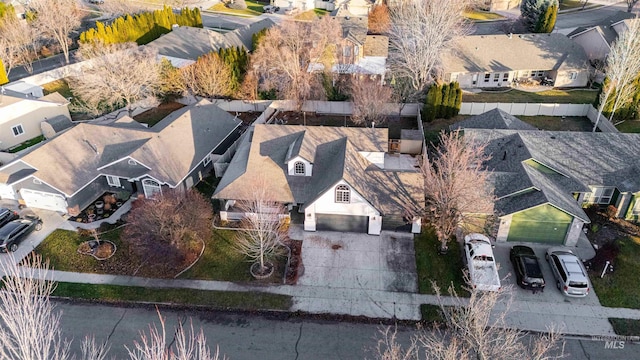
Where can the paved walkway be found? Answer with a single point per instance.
(586, 320)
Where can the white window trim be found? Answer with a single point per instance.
(13, 128)
(596, 195)
(207, 160)
(342, 192)
(573, 75)
(636, 207)
(153, 188)
(113, 181)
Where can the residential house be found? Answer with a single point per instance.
(71, 171)
(340, 178)
(597, 40)
(360, 53)
(493, 5)
(22, 114)
(490, 61)
(543, 179)
(184, 44)
(356, 7)
(300, 5)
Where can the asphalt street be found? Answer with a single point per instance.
(274, 337)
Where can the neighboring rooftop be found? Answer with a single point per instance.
(492, 53)
(493, 119)
(605, 27)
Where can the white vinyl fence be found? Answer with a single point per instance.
(527, 109)
(604, 124)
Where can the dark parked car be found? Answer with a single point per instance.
(6, 216)
(527, 268)
(14, 232)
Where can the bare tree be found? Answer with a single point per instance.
(370, 100)
(188, 345)
(31, 325)
(210, 76)
(457, 192)
(262, 231)
(165, 228)
(474, 328)
(631, 4)
(18, 43)
(421, 30)
(286, 57)
(57, 19)
(622, 69)
(118, 75)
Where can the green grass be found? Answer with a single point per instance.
(442, 269)
(28, 143)
(620, 288)
(253, 9)
(61, 246)
(557, 123)
(547, 96)
(431, 313)
(625, 327)
(61, 86)
(571, 4)
(217, 299)
(479, 15)
(629, 126)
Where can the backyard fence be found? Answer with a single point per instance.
(527, 109)
(342, 107)
(604, 124)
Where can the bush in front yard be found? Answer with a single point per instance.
(237, 4)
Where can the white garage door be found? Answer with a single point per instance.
(44, 200)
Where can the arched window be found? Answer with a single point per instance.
(343, 194)
(150, 187)
(298, 168)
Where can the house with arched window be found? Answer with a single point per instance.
(334, 178)
(72, 170)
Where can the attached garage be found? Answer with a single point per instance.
(542, 224)
(342, 223)
(44, 200)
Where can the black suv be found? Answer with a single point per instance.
(14, 232)
(527, 268)
(6, 216)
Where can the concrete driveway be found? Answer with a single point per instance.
(551, 293)
(51, 221)
(358, 261)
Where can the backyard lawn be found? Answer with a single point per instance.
(231, 300)
(61, 86)
(629, 126)
(547, 96)
(557, 123)
(620, 288)
(443, 269)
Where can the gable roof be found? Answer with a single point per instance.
(354, 28)
(376, 45)
(493, 119)
(491, 53)
(335, 154)
(190, 43)
(605, 27)
(73, 159)
(59, 123)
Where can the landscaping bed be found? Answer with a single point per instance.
(102, 208)
(444, 270)
(581, 96)
(153, 116)
(617, 241)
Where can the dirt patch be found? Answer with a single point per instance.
(247, 118)
(605, 232)
(153, 116)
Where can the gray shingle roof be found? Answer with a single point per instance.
(376, 45)
(604, 27)
(71, 160)
(494, 53)
(493, 119)
(334, 152)
(59, 123)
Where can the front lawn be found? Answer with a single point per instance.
(442, 269)
(547, 96)
(629, 126)
(254, 8)
(232, 300)
(479, 15)
(625, 327)
(620, 288)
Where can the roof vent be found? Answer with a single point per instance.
(553, 137)
(93, 147)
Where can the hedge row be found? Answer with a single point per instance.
(443, 101)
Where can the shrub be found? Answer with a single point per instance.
(611, 211)
(237, 5)
(443, 101)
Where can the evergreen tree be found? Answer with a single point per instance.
(451, 103)
(429, 108)
(534, 13)
(547, 21)
(458, 103)
(3, 74)
(444, 100)
(437, 100)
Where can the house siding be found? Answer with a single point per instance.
(29, 115)
(562, 78)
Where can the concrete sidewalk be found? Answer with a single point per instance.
(584, 320)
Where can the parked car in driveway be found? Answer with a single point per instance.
(6, 216)
(527, 268)
(483, 270)
(571, 276)
(15, 231)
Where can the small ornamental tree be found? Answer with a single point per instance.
(209, 76)
(370, 101)
(379, 19)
